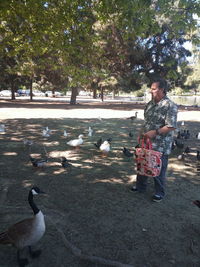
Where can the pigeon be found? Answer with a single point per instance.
(178, 135)
(127, 152)
(65, 134)
(173, 145)
(179, 143)
(130, 134)
(187, 150)
(99, 118)
(98, 143)
(198, 136)
(2, 128)
(90, 131)
(38, 162)
(197, 203)
(181, 156)
(27, 142)
(46, 132)
(109, 140)
(198, 155)
(183, 134)
(187, 135)
(65, 164)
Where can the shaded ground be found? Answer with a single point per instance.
(92, 206)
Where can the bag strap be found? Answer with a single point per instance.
(147, 144)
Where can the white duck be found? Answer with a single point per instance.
(76, 142)
(105, 147)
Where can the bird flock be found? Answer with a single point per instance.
(180, 143)
(183, 144)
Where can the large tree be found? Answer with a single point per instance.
(130, 40)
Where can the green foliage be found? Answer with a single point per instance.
(139, 93)
(71, 43)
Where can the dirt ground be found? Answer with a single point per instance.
(93, 219)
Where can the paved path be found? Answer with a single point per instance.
(12, 110)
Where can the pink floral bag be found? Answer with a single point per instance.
(148, 161)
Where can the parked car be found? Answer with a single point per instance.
(7, 93)
(38, 93)
(49, 93)
(22, 92)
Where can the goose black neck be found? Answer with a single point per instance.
(32, 203)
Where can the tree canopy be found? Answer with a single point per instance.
(73, 43)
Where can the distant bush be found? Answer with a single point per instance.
(177, 91)
(139, 93)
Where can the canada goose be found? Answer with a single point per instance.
(76, 142)
(27, 232)
(133, 117)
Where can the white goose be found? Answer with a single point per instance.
(76, 142)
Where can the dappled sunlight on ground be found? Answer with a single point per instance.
(91, 202)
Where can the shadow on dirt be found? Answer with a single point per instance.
(92, 202)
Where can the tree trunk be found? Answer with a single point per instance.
(53, 92)
(94, 93)
(102, 96)
(13, 91)
(74, 95)
(31, 89)
(12, 87)
(113, 94)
